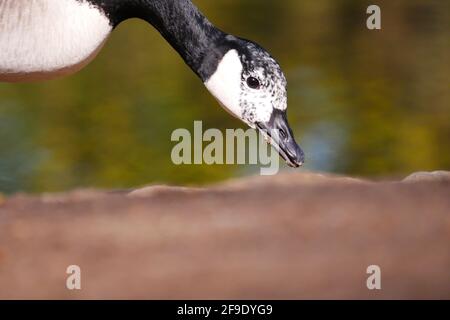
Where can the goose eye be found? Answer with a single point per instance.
(253, 83)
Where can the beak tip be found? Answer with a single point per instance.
(298, 162)
(300, 157)
(294, 155)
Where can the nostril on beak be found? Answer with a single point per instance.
(283, 135)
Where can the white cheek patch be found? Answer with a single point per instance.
(225, 83)
(48, 35)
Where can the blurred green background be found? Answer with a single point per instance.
(361, 102)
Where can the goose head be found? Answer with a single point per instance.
(250, 85)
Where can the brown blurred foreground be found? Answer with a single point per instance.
(290, 236)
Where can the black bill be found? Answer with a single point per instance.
(279, 135)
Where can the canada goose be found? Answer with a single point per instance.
(42, 39)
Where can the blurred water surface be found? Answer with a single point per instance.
(370, 103)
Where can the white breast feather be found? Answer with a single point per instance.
(45, 36)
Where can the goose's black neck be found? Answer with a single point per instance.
(180, 23)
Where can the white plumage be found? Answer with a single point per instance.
(47, 38)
